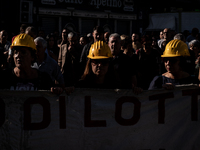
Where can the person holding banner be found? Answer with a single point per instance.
(23, 77)
(174, 58)
(98, 71)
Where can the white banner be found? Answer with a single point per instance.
(92, 119)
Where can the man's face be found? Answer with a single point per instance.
(40, 49)
(115, 45)
(97, 36)
(195, 49)
(134, 37)
(72, 43)
(161, 35)
(3, 37)
(166, 34)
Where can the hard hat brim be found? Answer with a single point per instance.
(22, 46)
(170, 55)
(99, 57)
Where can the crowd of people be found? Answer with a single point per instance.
(34, 61)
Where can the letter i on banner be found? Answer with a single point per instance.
(62, 112)
(2, 112)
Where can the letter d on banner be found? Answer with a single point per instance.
(27, 113)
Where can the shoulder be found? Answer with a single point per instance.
(87, 46)
(165, 74)
(51, 60)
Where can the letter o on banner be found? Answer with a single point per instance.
(136, 112)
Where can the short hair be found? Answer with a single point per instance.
(99, 29)
(116, 35)
(179, 36)
(4, 31)
(23, 28)
(195, 31)
(31, 29)
(71, 34)
(43, 41)
(195, 43)
(124, 37)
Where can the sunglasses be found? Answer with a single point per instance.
(100, 61)
(170, 59)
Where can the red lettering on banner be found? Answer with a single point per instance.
(87, 115)
(161, 104)
(194, 102)
(27, 113)
(62, 112)
(136, 112)
(2, 112)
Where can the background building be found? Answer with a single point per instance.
(122, 16)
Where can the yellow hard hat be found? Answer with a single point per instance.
(176, 48)
(99, 50)
(23, 40)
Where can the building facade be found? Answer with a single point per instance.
(120, 16)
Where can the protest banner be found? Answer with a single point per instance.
(100, 119)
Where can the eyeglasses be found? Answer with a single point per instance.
(103, 62)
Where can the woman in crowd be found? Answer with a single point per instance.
(98, 71)
(23, 76)
(174, 58)
(52, 47)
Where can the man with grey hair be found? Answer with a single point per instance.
(68, 59)
(194, 49)
(124, 69)
(31, 31)
(179, 36)
(47, 64)
(115, 44)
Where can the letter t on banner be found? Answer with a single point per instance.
(194, 102)
(161, 104)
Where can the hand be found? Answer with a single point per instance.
(69, 90)
(9, 59)
(56, 90)
(197, 60)
(70, 48)
(168, 86)
(136, 90)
